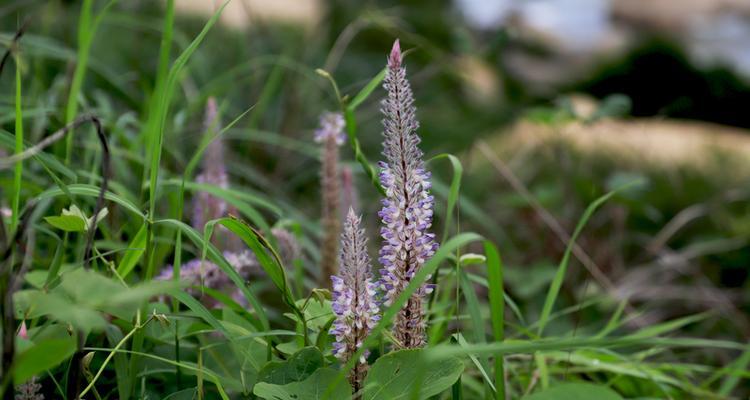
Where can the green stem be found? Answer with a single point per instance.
(112, 353)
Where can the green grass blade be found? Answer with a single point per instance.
(270, 263)
(91, 191)
(351, 128)
(351, 131)
(18, 169)
(477, 324)
(216, 257)
(366, 91)
(135, 250)
(453, 191)
(571, 343)
(733, 377)
(86, 32)
(556, 284)
(165, 98)
(497, 311)
(201, 311)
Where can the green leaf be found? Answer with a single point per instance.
(497, 310)
(43, 356)
(367, 90)
(557, 282)
(399, 374)
(317, 313)
(186, 394)
(575, 391)
(67, 223)
(453, 192)
(134, 252)
(297, 368)
(165, 99)
(312, 388)
(91, 191)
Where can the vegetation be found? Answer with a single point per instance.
(162, 231)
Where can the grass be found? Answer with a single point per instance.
(512, 317)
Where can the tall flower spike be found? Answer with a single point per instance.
(213, 172)
(206, 206)
(407, 208)
(330, 134)
(353, 299)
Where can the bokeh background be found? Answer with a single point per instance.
(548, 103)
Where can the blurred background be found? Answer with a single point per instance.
(549, 104)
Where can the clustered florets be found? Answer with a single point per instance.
(407, 208)
(29, 390)
(354, 301)
(406, 218)
(206, 206)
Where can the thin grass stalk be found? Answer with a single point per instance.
(18, 170)
(84, 45)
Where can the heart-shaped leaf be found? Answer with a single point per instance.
(297, 368)
(575, 391)
(312, 388)
(399, 374)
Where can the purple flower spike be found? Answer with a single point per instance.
(207, 207)
(407, 209)
(331, 135)
(354, 300)
(331, 126)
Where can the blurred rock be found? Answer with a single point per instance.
(639, 142)
(481, 83)
(243, 13)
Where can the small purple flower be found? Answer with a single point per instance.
(354, 300)
(331, 127)
(29, 390)
(330, 134)
(208, 274)
(407, 209)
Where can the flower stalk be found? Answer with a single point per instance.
(408, 206)
(330, 135)
(354, 302)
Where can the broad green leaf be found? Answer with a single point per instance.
(398, 374)
(317, 313)
(61, 308)
(575, 391)
(83, 295)
(297, 368)
(312, 388)
(67, 223)
(43, 356)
